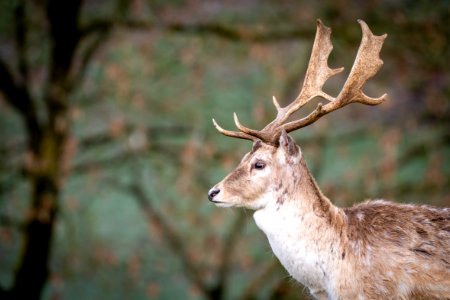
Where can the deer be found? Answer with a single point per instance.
(376, 249)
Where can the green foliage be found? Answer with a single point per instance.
(142, 116)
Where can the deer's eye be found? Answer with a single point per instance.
(259, 165)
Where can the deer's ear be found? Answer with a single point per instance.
(288, 144)
(256, 146)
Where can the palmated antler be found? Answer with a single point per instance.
(366, 65)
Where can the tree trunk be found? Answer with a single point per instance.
(46, 142)
(45, 175)
(33, 271)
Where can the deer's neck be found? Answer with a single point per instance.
(297, 198)
(302, 227)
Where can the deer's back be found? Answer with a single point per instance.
(398, 249)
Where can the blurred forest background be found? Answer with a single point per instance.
(108, 150)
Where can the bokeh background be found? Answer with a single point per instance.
(107, 147)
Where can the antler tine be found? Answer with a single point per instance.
(366, 65)
(276, 104)
(235, 134)
(242, 128)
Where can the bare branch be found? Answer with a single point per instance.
(255, 285)
(95, 35)
(121, 157)
(227, 252)
(210, 29)
(85, 57)
(19, 98)
(13, 94)
(20, 36)
(7, 221)
(172, 237)
(233, 34)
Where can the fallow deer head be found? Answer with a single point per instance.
(275, 156)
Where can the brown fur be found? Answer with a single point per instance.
(397, 244)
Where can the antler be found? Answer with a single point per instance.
(366, 65)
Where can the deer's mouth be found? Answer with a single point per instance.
(222, 203)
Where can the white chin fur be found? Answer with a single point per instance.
(224, 204)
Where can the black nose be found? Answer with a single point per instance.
(212, 193)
